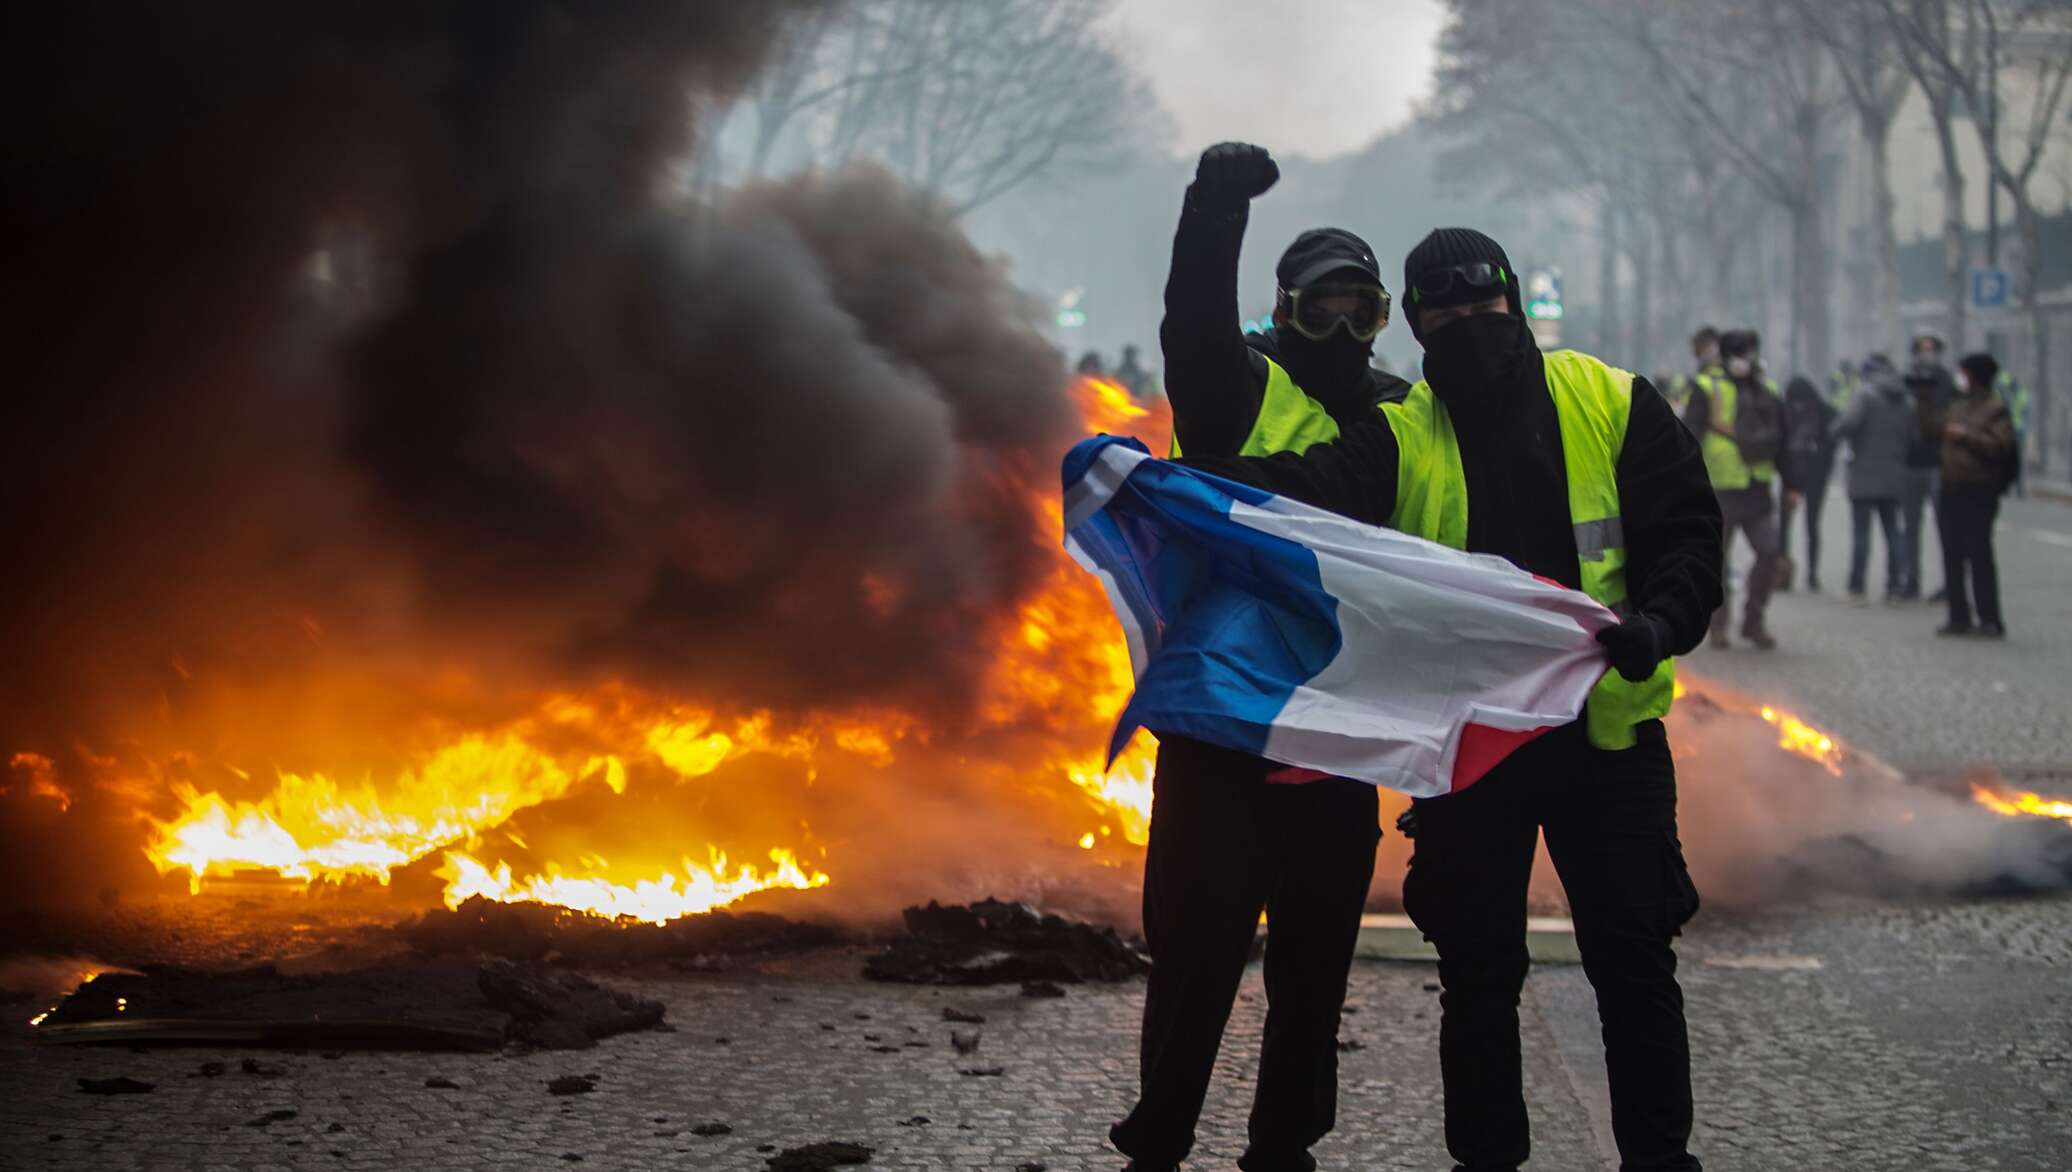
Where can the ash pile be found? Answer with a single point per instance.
(995, 942)
(708, 941)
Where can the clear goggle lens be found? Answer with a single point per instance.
(1317, 310)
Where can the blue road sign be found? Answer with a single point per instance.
(1989, 288)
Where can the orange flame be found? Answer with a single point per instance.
(1796, 736)
(1061, 667)
(2021, 803)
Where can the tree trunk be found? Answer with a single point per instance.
(1955, 280)
(1884, 210)
(1809, 307)
(1643, 351)
(2030, 226)
(1607, 276)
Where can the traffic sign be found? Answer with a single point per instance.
(1990, 288)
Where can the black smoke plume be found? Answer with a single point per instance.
(382, 336)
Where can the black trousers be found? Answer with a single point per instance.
(1964, 517)
(1610, 823)
(1225, 845)
(1815, 495)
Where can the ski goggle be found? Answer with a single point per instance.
(1315, 310)
(1477, 276)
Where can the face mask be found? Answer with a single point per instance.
(1478, 357)
(1326, 367)
(1740, 367)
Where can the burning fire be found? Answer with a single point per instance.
(1061, 666)
(1796, 736)
(2021, 803)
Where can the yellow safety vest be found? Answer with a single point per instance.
(1591, 401)
(1723, 462)
(1288, 420)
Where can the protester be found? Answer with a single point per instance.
(1580, 473)
(1879, 426)
(1932, 387)
(1740, 424)
(1976, 439)
(1842, 384)
(2016, 395)
(1704, 362)
(1232, 834)
(1808, 460)
(1090, 363)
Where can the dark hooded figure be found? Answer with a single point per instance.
(1231, 833)
(1807, 462)
(1578, 472)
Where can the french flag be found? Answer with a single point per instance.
(1264, 624)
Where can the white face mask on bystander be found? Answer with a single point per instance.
(1740, 367)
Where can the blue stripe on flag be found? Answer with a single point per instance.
(1236, 619)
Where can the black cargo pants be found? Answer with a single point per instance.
(1225, 844)
(1610, 822)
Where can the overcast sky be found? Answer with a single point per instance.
(1313, 77)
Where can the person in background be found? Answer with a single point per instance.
(1090, 364)
(1705, 363)
(2016, 396)
(1933, 388)
(1878, 426)
(1132, 375)
(1231, 832)
(1739, 422)
(1809, 458)
(1843, 383)
(1975, 436)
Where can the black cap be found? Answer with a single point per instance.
(1443, 248)
(1321, 252)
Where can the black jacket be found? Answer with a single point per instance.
(1518, 497)
(1215, 374)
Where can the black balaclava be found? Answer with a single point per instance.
(1332, 371)
(1484, 358)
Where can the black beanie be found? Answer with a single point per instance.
(1445, 247)
(1982, 367)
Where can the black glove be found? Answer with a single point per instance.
(1636, 646)
(1406, 822)
(1231, 173)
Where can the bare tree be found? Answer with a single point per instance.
(1865, 49)
(967, 99)
(1983, 50)
(1766, 95)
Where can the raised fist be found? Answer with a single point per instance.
(1232, 173)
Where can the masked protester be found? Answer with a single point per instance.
(1740, 422)
(1581, 473)
(1231, 833)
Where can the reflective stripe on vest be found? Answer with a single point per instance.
(1288, 420)
(1592, 401)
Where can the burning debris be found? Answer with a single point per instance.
(992, 942)
(422, 1006)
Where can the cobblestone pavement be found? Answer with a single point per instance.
(1882, 678)
(1852, 1035)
